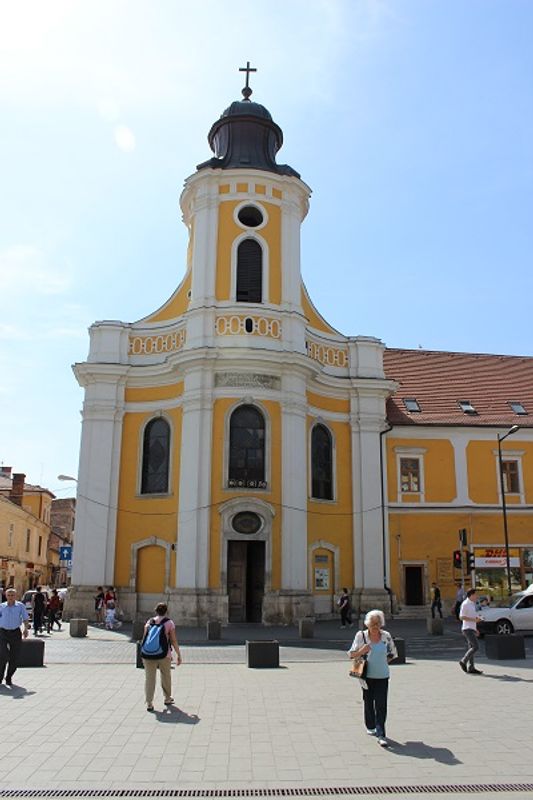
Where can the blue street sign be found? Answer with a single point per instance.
(65, 553)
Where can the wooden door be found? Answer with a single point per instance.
(237, 581)
(255, 581)
(414, 588)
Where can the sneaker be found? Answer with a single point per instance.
(463, 666)
(371, 731)
(9, 682)
(382, 741)
(475, 671)
(169, 701)
(149, 708)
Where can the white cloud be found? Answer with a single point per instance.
(24, 269)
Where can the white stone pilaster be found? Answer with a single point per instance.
(192, 551)
(204, 209)
(294, 483)
(98, 481)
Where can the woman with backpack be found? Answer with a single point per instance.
(156, 651)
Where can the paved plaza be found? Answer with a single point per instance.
(80, 722)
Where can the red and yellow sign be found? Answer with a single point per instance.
(494, 557)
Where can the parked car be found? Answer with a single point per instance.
(28, 598)
(516, 615)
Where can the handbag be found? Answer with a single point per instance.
(359, 666)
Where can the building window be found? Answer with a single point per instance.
(511, 481)
(156, 451)
(249, 272)
(517, 408)
(10, 535)
(40, 546)
(247, 448)
(28, 540)
(411, 404)
(410, 474)
(321, 463)
(467, 407)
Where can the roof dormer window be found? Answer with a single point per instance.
(517, 408)
(466, 407)
(412, 405)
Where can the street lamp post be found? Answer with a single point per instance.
(504, 506)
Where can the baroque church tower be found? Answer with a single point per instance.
(224, 435)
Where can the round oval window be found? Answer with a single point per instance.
(250, 216)
(246, 522)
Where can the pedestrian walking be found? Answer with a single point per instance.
(377, 646)
(459, 597)
(111, 621)
(469, 617)
(156, 651)
(436, 601)
(53, 610)
(38, 603)
(13, 615)
(345, 607)
(99, 605)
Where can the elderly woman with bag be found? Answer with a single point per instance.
(376, 647)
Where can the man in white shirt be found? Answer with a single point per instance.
(469, 617)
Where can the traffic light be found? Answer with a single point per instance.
(457, 561)
(470, 562)
(462, 537)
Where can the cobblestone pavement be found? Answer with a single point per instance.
(82, 723)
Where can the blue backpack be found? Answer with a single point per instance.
(155, 642)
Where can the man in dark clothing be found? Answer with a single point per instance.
(345, 606)
(436, 602)
(38, 604)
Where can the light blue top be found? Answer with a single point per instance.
(377, 666)
(12, 617)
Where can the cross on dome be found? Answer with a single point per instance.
(246, 92)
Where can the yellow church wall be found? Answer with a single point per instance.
(228, 231)
(438, 469)
(331, 521)
(142, 516)
(313, 317)
(221, 495)
(432, 537)
(146, 394)
(326, 403)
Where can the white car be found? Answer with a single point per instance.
(517, 615)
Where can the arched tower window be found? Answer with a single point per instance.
(247, 447)
(156, 452)
(321, 463)
(249, 272)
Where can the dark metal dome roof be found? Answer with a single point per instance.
(246, 136)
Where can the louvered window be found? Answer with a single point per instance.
(249, 272)
(321, 463)
(156, 449)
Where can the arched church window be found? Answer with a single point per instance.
(156, 452)
(249, 272)
(247, 448)
(321, 463)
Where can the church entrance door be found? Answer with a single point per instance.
(414, 586)
(246, 581)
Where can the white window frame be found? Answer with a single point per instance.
(412, 453)
(510, 455)
(314, 423)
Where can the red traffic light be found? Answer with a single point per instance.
(457, 560)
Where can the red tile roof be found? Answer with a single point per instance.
(438, 380)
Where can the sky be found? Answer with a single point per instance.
(411, 120)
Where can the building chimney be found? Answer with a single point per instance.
(17, 488)
(5, 472)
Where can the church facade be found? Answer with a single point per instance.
(243, 459)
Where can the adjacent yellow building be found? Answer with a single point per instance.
(246, 461)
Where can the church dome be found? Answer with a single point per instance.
(246, 137)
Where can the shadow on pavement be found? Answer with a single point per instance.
(508, 678)
(15, 692)
(422, 750)
(176, 716)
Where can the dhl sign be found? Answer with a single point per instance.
(491, 557)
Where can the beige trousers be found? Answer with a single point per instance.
(150, 669)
